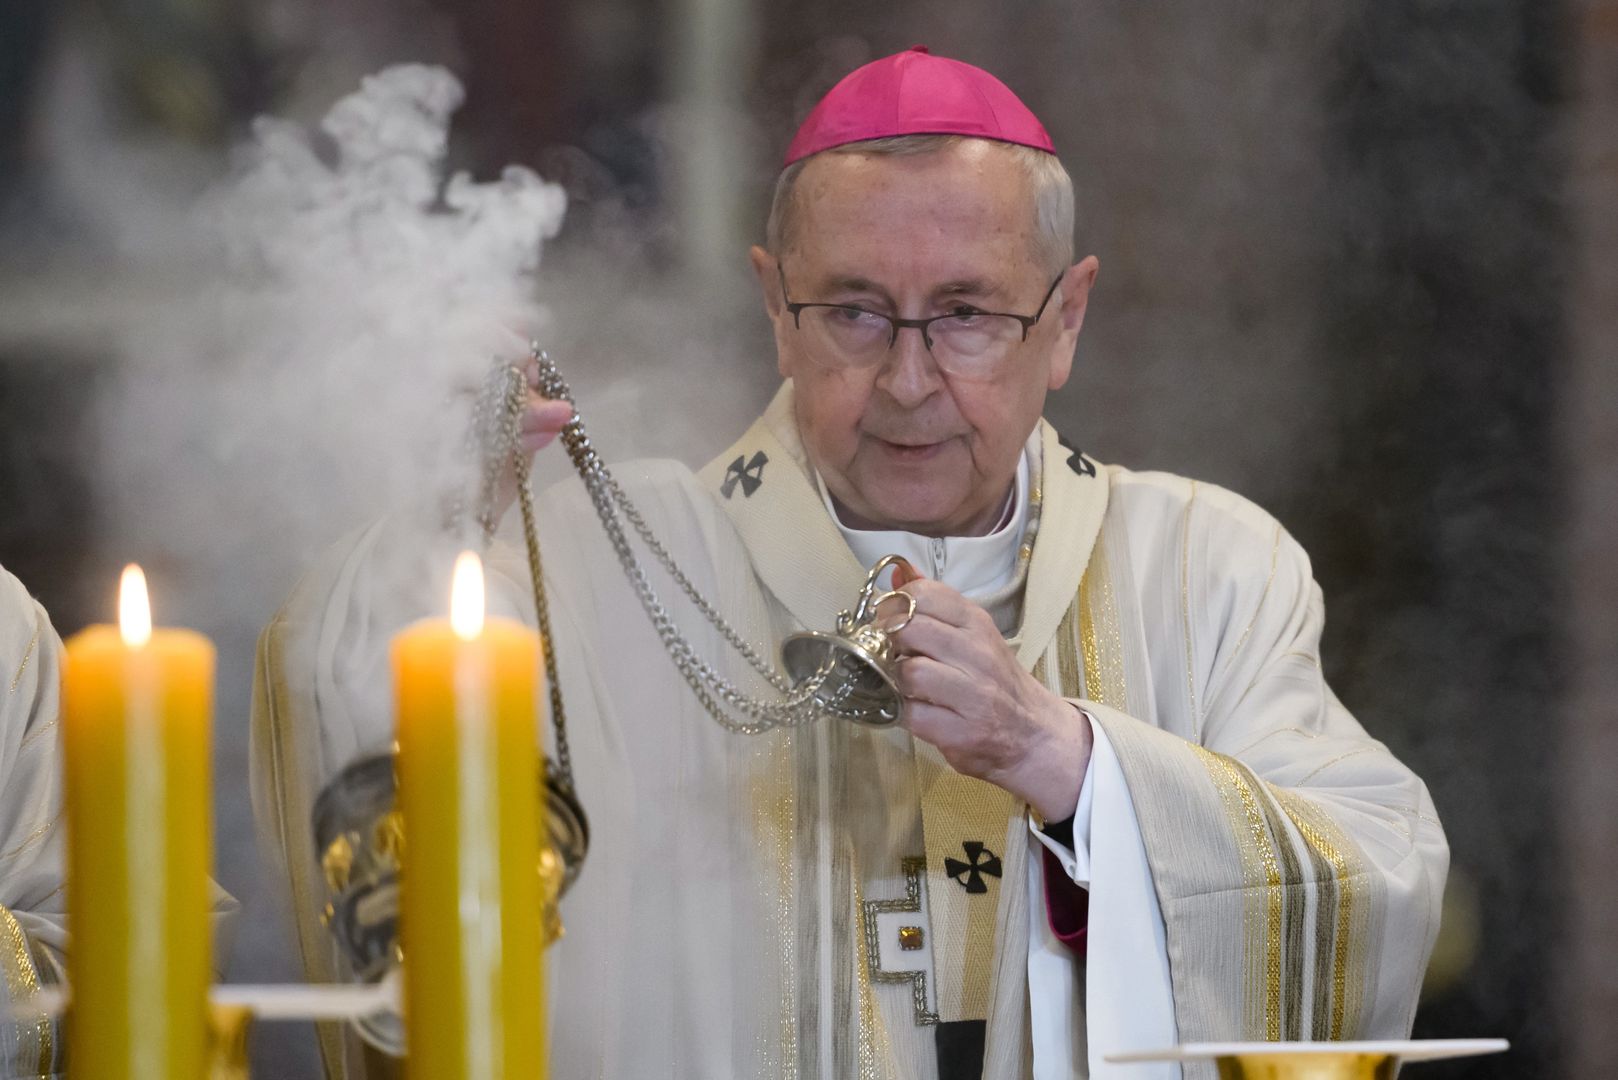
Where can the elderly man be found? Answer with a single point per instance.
(1123, 810)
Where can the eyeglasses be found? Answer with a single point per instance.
(965, 343)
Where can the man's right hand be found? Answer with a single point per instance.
(544, 418)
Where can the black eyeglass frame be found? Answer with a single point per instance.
(895, 324)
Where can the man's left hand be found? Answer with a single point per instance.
(966, 694)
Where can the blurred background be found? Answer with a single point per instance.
(1356, 264)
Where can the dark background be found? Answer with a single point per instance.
(1351, 267)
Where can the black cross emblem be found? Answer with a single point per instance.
(749, 473)
(970, 874)
(1076, 459)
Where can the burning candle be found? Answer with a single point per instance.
(465, 695)
(136, 712)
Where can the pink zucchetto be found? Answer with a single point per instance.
(917, 93)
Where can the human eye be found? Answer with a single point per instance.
(853, 316)
(965, 316)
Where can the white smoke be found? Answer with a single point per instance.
(319, 375)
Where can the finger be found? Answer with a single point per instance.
(941, 641)
(938, 600)
(541, 422)
(904, 573)
(928, 722)
(545, 415)
(924, 679)
(535, 441)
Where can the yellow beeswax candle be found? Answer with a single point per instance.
(465, 694)
(136, 712)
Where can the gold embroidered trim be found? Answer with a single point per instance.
(1350, 946)
(1261, 894)
(1294, 900)
(1087, 643)
(32, 838)
(1102, 643)
(1185, 608)
(33, 642)
(779, 818)
(22, 983)
(1275, 551)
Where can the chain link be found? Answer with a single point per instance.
(499, 421)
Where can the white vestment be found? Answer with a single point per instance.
(33, 907)
(740, 909)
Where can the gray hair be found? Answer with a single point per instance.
(1053, 192)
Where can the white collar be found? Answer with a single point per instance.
(975, 566)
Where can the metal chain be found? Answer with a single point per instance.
(717, 695)
(497, 424)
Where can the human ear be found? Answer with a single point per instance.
(765, 266)
(768, 271)
(1075, 290)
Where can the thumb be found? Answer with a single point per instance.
(904, 574)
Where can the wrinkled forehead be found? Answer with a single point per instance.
(967, 207)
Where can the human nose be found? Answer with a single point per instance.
(909, 373)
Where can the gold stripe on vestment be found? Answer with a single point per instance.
(1261, 895)
(1325, 1004)
(22, 983)
(1350, 925)
(1294, 901)
(1101, 641)
(774, 814)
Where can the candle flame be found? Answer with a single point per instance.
(466, 597)
(134, 609)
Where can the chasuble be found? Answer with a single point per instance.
(33, 908)
(832, 901)
(33, 911)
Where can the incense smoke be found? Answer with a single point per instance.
(320, 377)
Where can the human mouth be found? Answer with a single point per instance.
(912, 451)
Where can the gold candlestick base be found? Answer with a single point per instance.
(227, 1041)
(1307, 1066)
(1314, 1061)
